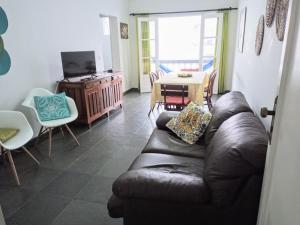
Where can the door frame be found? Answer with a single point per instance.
(144, 82)
(287, 51)
(218, 43)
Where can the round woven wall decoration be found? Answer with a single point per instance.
(3, 21)
(270, 12)
(281, 16)
(260, 35)
(1, 44)
(5, 62)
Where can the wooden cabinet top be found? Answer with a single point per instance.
(87, 79)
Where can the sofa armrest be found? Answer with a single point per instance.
(164, 118)
(161, 186)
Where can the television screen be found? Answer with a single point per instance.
(78, 63)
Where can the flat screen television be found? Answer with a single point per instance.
(77, 64)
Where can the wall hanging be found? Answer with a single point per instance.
(1, 44)
(5, 62)
(270, 12)
(124, 30)
(242, 24)
(260, 35)
(281, 16)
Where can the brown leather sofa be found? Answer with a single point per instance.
(216, 181)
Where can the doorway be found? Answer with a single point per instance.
(186, 43)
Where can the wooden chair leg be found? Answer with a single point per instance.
(12, 165)
(62, 131)
(158, 105)
(151, 110)
(70, 131)
(28, 152)
(50, 140)
(37, 138)
(209, 103)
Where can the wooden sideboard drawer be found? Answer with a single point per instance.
(91, 85)
(105, 80)
(117, 76)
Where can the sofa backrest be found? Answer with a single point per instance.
(237, 151)
(226, 106)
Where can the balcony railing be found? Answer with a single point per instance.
(185, 65)
(180, 65)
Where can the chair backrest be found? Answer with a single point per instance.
(174, 90)
(168, 90)
(153, 77)
(160, 73)
(29, 101)
(211, 82)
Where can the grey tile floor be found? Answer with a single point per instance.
(73, 186)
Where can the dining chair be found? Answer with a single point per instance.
(51, 124)
(16, 120)
(205, 81)
(160, 73)
(175, 96)
(153, 77)
(209, 90)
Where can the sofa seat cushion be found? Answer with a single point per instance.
(163, 177)
(168, 143)
(226, 106)
(236, 152)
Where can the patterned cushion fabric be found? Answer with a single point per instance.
(191, 123)
(52, 107)
(7, 133)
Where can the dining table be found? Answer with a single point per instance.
(195, 85)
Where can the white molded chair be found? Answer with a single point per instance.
(14, 119)
(49, 125)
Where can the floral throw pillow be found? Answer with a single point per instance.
(191, 123)
(52, 107)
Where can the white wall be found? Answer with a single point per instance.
(39, 30)
(258, 76)
(140, 6)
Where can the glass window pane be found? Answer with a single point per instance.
(153, 67)
(179, 38)
(152, 29)
(145, 48)
(210, 29)
(145, 29)
(209, 46)
(146, 66)
(152, 48)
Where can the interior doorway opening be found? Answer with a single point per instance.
(174, 44)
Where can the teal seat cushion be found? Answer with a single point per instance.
(52, 107)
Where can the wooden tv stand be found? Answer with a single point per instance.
(94, 97)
